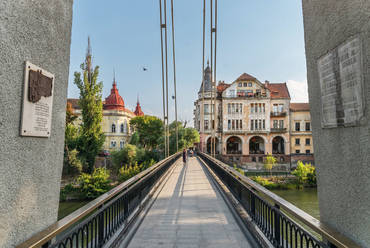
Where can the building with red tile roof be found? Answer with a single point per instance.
(116, 119)
(247, 120)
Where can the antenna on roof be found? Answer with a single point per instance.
(114, 76)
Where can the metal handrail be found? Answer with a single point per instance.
(52, 231)
(328, 233)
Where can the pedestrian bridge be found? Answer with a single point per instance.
(204, 203)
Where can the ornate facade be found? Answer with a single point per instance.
(251, 120)
(116, 119)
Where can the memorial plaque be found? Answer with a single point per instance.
(341, 83)
(37, 102)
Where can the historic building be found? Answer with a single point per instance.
(251, 120)
(116, 119)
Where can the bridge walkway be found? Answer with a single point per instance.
(189, 212)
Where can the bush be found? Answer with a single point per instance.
(72, 162)
(238, 169)
(305, 173)
(95, 184)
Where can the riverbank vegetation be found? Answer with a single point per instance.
(302, 177)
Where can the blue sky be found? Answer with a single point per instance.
(262, 38)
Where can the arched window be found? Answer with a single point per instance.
(121, 144)
(122, 128)
(113, 144)
(113, 128)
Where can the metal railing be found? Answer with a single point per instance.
(266, 212)
(106, 214)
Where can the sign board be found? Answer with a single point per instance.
(37, 103)
(341, 84)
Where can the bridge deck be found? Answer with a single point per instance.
(189, 212)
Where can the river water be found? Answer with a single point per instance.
(305, 199)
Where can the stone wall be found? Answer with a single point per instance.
(31, 167)
(341, 128)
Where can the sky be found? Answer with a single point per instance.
(262, 38)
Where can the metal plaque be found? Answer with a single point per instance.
(37, 103)
(341, 84)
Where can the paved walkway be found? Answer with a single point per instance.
(189, 212)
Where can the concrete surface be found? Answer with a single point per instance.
(189, 212)
(341, 153)
(30, 168)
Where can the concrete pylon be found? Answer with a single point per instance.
(31, 166)
(338, 56)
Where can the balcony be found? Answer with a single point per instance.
(278, 114)
(246, 95)
(278, 130)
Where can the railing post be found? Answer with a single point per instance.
(277, 225)
(253, 203)
(46, 245)
(101, 228)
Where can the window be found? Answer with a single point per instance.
(258, 92)
(232, 124)
(263, 108)
(233, 108)
(308, 151)
(255, 107)
(281, 108)
(245, 84)
(252, 108)
(229, 124)
(275, 124)
(308, 126)
(259, 124)
(240, 84)
(213, 124)
(297, 141)
(241, 124)
(260, 107)
(297, 151)
(298, 126)
(275, 108)
(237, 124)
(121, 144)
(229, 108)
(113, 128)
(113, 144)
(240, 108)
(308, 141)
(263, 125)
(250, 84)
(260, 159)
(253, 159)
(237, 108)
(122, 128)
(281, 159)
(206, 124)
(252, 125)
(206, 108)
(281, 124)
(256, 125)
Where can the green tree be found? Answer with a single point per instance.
(126, 156)
(72, 162)
(135, 139)
(95, 184)
(186, 137)
(270, 163)
(305, 173)
(149, 129)
(91, 137)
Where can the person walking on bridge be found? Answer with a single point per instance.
(184, 156)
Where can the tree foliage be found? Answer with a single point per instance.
(186, 137)
(149, 129)
(70, 114)
(305, 173)
(270, 162)
(95, 184)
(91, 136)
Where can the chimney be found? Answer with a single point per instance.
(266, 83)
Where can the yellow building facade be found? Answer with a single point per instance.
(116, 119)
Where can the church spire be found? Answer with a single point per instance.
(114, 76)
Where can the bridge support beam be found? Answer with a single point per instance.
(338, 62)
(31, 167)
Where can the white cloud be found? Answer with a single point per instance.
(298, 91)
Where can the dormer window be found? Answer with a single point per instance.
(245, 84)
(276, 93)
(250, 84)
(240, 84)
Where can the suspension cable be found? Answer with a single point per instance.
(215, 81)
(174, 74)
(164, 76)
(202, 141)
